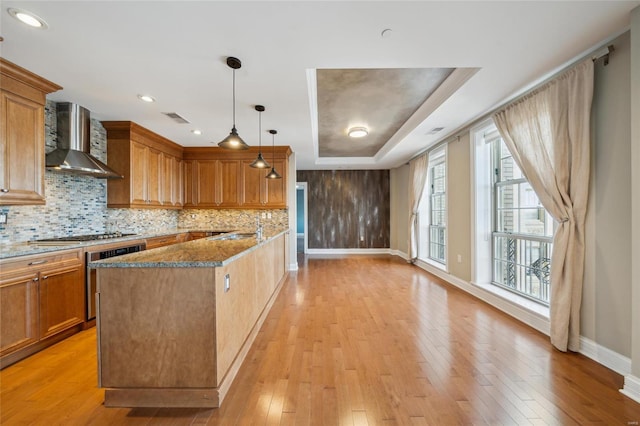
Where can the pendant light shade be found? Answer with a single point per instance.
(233, 141)
(260, 163)
(273, 174)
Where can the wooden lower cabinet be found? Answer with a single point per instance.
(61, 299)
(41, 301)
(19, 312)
(166, 240)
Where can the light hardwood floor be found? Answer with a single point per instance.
(354, 341)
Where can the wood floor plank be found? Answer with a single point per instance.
(367, 340)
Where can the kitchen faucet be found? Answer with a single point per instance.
(258, 227)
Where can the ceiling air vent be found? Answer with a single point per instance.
(435, 130)
(176, 117)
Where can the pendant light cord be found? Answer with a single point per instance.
(260, 132)
(234, 98)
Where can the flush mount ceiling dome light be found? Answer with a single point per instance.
(260, 163)
(273, 174)
(358, 132)
(28, 18)
(233, 141)
(146, 98)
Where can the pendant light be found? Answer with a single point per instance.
(260, 163)
(233, 141)
(273, 174)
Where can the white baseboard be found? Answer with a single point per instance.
(610, 359)
(526, 316)
(293, 266)
(607, 357)
(399, 253)
(348, 251)
(631, 387)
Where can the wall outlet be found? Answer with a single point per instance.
(193, 216)
(3, 218)
(361, 238)
(227, 283)
(264, 215)
(269, 215)
(459, 258)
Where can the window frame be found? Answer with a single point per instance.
(493, 138)
(440, 160)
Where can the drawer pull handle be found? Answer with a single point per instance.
(38, 262)
(45, 277)
(5, 190)
(36, 279)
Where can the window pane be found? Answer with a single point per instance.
(508, 168)
(521, 259)
(438, 212)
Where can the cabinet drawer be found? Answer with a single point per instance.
(38, 262)
(165, 240)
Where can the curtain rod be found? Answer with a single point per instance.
(596, 54)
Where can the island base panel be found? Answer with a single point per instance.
(190, 398)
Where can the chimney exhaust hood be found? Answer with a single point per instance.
(73, 152)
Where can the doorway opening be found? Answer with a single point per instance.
(301, 218)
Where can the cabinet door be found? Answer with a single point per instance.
(167, 180)
(18, 312)
(190, 183)
(177, 193)
(253, 185)
(21, 151)
(61, 299)
(229, 183)
(277, 188)
(155, 168)
(206, 181)
(139, 173)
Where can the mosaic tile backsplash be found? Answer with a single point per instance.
(231, 219)
(77, 205)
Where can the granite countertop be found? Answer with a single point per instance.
(28, 248)
(203, 253)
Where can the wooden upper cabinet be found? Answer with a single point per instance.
(218, 178)
(260, 192)
(161, 174)
(228, 183)
(150, 164)
(172, 194)
(155, 181)
(277, 188)
(22, 101)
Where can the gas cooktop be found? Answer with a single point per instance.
(81, 238)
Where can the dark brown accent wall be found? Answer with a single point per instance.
(347, 208)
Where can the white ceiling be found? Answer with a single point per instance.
(105, 53)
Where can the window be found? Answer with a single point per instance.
(437, 211)
(522, 229)
(432, 246)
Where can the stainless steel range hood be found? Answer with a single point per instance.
(72, 154)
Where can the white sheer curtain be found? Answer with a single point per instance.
(417, 180)
(548, 134)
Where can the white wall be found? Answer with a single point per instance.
(399, 214)
(612, 279)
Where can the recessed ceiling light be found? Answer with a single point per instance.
(28, 18)
(146, 98)
(358, 132)
(196, 132)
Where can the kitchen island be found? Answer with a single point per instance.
(175, 323)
